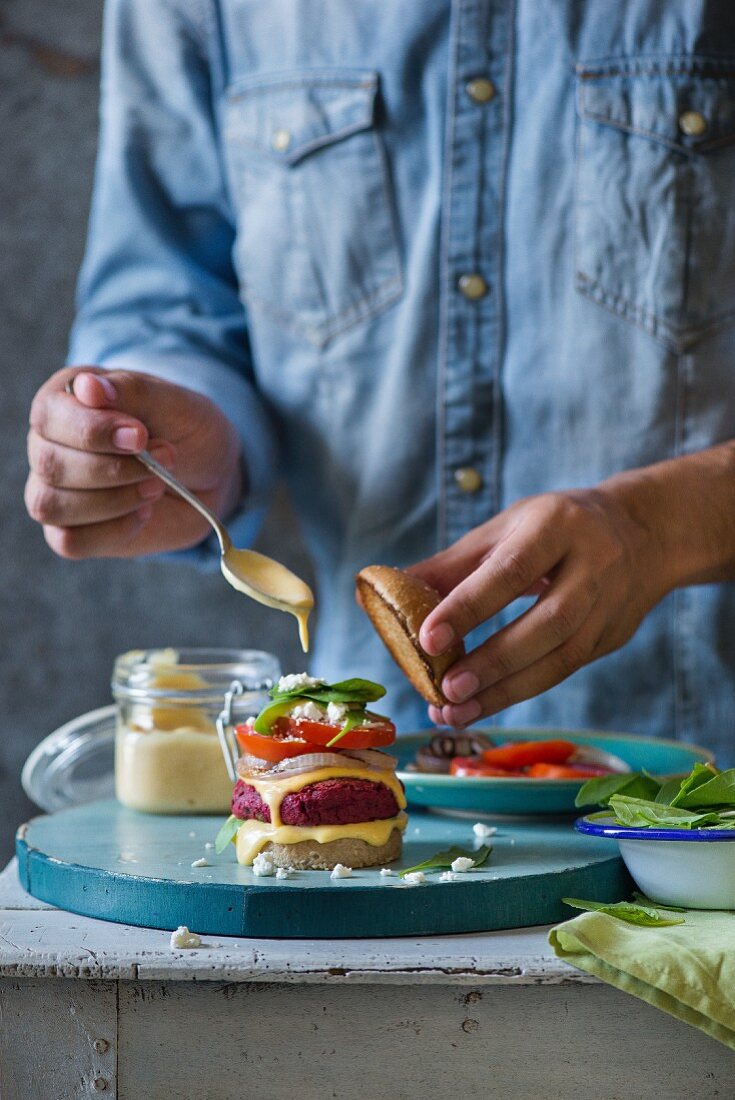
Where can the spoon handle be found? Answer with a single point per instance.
(173, 483)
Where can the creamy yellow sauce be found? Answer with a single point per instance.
(269, 583)
(172, 771)
(252, 836)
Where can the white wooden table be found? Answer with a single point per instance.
(91, 1008)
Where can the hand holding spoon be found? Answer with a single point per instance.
(256, 575)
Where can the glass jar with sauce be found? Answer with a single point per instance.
(167, 754)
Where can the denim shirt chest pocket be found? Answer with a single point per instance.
(316, 246)
(655, 194)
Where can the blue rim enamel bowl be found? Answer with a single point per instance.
(694, 868)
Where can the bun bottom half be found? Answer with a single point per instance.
(309, 855)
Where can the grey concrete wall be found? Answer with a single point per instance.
(62, 623)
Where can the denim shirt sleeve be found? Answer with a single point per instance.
(157, 291)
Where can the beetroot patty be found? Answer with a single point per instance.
(332, 802)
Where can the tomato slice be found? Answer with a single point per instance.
(272, 749)
(469, 767)
(521, 754)
(566, 771)
(298, 736)
(379, 733)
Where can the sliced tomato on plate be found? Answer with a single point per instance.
(298, 736)
(470, 767)
(566, 771)
(521, 754)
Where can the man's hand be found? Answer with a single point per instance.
(92, 496)
(596, 569)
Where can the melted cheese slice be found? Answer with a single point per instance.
(252, 836)
(273, 791)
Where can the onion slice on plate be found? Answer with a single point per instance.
(586, 754)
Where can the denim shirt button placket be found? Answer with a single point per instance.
(469, 447)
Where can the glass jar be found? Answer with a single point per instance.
(167, 754)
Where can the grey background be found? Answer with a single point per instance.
(63, 623)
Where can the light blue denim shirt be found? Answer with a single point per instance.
(394, 241)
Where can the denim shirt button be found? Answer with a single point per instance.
(473, 286)
(480, 90)
(468, 479)
(281, 140)
(692, 123)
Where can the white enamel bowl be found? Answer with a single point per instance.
(694, 868)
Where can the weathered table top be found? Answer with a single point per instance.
(37, 940)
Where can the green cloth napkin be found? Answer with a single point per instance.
(687, 970)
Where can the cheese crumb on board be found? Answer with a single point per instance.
(284, 872)
(263, 866)
(414, 878)
(183, 938)
(208, 846)
(202, 862)
(448, 876)
(462, 864)
(340, 871)
(482, 830)
(386, 872)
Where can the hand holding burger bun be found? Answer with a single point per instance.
(397, 604)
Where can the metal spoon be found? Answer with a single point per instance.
(258, 576)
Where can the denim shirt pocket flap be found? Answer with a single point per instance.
(290, 116)
(687, 104)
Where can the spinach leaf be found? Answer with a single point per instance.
(271, 714)
(597, 791)
(628, 911)
(669, 791)
(227, 833)
(718, 790)
(699, 775)
(640, 813)
(442, 861)
(658, 904)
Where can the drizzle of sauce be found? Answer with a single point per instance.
(269, 583)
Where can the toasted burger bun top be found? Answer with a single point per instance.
(397, 604)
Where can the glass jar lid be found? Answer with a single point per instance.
(193, 674)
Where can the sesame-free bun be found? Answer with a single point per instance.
(310, 855)
(397, 604)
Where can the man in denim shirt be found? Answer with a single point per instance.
(463, 273)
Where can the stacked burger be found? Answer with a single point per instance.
(314, 788)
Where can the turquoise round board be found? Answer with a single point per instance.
(102, 860)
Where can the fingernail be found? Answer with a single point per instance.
(151, 489)
(465, 713)
(107, 387)
(126, 439)
(461, 687)
(440, 637)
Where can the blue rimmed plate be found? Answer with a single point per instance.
(529, 797)
(694, 868)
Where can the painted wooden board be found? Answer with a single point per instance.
(102, 860)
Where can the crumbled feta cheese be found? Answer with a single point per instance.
(312, 712)
(386, 872)
(284, 872)
(297, 680)
(481, 830)
(448, 876)
(182, 937)
(414, 878)
(336, 713)
(192, 834)
(201, 863)
(263, 865)
(340, 871)
(209, 846)
(462, 864)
